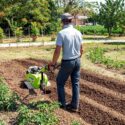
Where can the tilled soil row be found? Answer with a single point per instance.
(102, 117)
(110, 83)
(14, 73)
(103, 98)
(113, 99)
(89, 113)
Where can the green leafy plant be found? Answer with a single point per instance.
(96, 55)
(8, 99)
(24, 116)
(43, 116)
(75, 123)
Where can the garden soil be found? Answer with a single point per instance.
(102, 99)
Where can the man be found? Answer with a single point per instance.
(70, 40)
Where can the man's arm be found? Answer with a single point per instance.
(56, 55)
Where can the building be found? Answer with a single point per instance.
(80, 20)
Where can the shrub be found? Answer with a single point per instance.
(97, 30)
(7, 98)
(19, 32)
(34, 29)
(92, 30)
(117, 31)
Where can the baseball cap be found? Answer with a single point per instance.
(66, 16)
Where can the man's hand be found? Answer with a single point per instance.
(51, 66)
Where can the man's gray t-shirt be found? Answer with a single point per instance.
(70, 39)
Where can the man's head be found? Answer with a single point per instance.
(66, 18)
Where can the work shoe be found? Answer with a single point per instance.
(62, 107)
(69, 107)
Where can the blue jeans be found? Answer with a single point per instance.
(69, 68)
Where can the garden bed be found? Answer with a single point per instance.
(98, 105)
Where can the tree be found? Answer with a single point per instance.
(110, 13)
(28, 10)
(54, 23)
(121, 22)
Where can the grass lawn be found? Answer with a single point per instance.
(116, 55)
(27, 52)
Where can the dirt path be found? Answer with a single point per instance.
(102, 100)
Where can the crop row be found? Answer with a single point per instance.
(96, 55)
(10, 101)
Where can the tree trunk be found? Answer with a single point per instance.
(1, 40)
(34, 38)
(109, 31)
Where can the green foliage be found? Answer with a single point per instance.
(19, 32)
(91, 30)
(2, 123)
(97, 30)
(7, 98)
(15, 27)
(96, 55)
(121, 22)
(32, 11)
(43, 116)
(47, 14)
(117, 30)
(1, 33)
(34, 29)
(75, 123)
(110, 13)
(24, 116)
